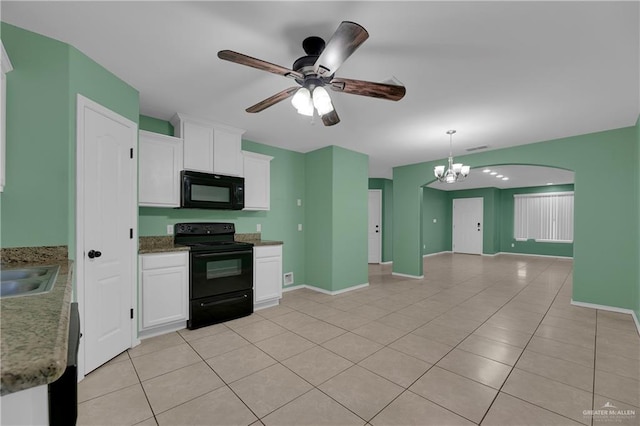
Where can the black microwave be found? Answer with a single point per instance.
(209, 191)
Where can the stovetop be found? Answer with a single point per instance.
(208, 236)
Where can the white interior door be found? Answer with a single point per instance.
(106, 237)
(375, 226)
(467, 225)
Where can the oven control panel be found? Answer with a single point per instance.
(215, 228)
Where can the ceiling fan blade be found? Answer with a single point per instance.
(330, 118)
(278, 97)
(239, 58)
(391, 92)
(347, 38)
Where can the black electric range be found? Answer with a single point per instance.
(220, 272)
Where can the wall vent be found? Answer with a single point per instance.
(288, 278)
(477, 148)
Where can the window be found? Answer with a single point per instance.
(545, 217)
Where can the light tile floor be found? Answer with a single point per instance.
(479, 340)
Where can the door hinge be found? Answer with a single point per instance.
(131, 233)
(131, 313)
(131, 153)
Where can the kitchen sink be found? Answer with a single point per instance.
(27, 281)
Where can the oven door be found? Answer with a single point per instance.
(213, 274)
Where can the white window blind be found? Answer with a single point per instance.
(544, 217)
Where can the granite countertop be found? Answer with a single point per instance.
(35, 329)
(163, 244)
(158, 245)
(256, 240)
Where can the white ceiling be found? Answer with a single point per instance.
(519, 177)
(500, 73)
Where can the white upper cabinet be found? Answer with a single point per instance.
(257, 181)
(6, 66)
(160, 162)
(209, 147)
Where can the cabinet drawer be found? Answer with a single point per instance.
(164, 260)
(267, 251)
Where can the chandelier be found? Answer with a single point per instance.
(456, 172)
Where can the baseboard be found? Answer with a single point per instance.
(490, 255)
(610, 309)
(388, 262)
(435, 254)
(322, 290)
(398, 274)
(163, 329)
(534, 255)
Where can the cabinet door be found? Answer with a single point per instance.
(257, 181)
(159, 165)
(198, 146)
(227, 157)
(164, 291)
(268, 274)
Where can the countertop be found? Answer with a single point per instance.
(163, 244)
(34, 329)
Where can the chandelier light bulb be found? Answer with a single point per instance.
(302, 102)
(322, 101)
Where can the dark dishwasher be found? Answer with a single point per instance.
(63, 393)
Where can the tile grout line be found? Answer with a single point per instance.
(454, 347)
(520, 356)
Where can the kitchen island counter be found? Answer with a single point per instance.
(35, 328)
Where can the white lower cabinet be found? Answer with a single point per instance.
(164, 292)
(267, 276)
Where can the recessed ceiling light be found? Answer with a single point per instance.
(499, 176)
(549, 183)
(493, 173)
(505, 178)
(486, 170)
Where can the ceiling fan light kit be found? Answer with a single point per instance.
(456, 172)
(316, 70)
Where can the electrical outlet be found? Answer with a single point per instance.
(258, 228)
(513, 245)
(299, 227)
(424, 247)
(169, 229)
(299, 202)
(435, 220)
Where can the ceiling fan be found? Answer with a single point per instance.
(316, 70)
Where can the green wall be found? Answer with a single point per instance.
(35, 201)
(319, 217)
(636, 294)
(336, 218)
(506, 225)
(606, 249)
(350, 225)
(38, 205)
(156, 125)
(436, 237)
(386, 186)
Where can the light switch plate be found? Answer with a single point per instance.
(299, 227)
(169, 229)
(258, 227)
(299, 202)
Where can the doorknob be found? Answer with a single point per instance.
(93, 254)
